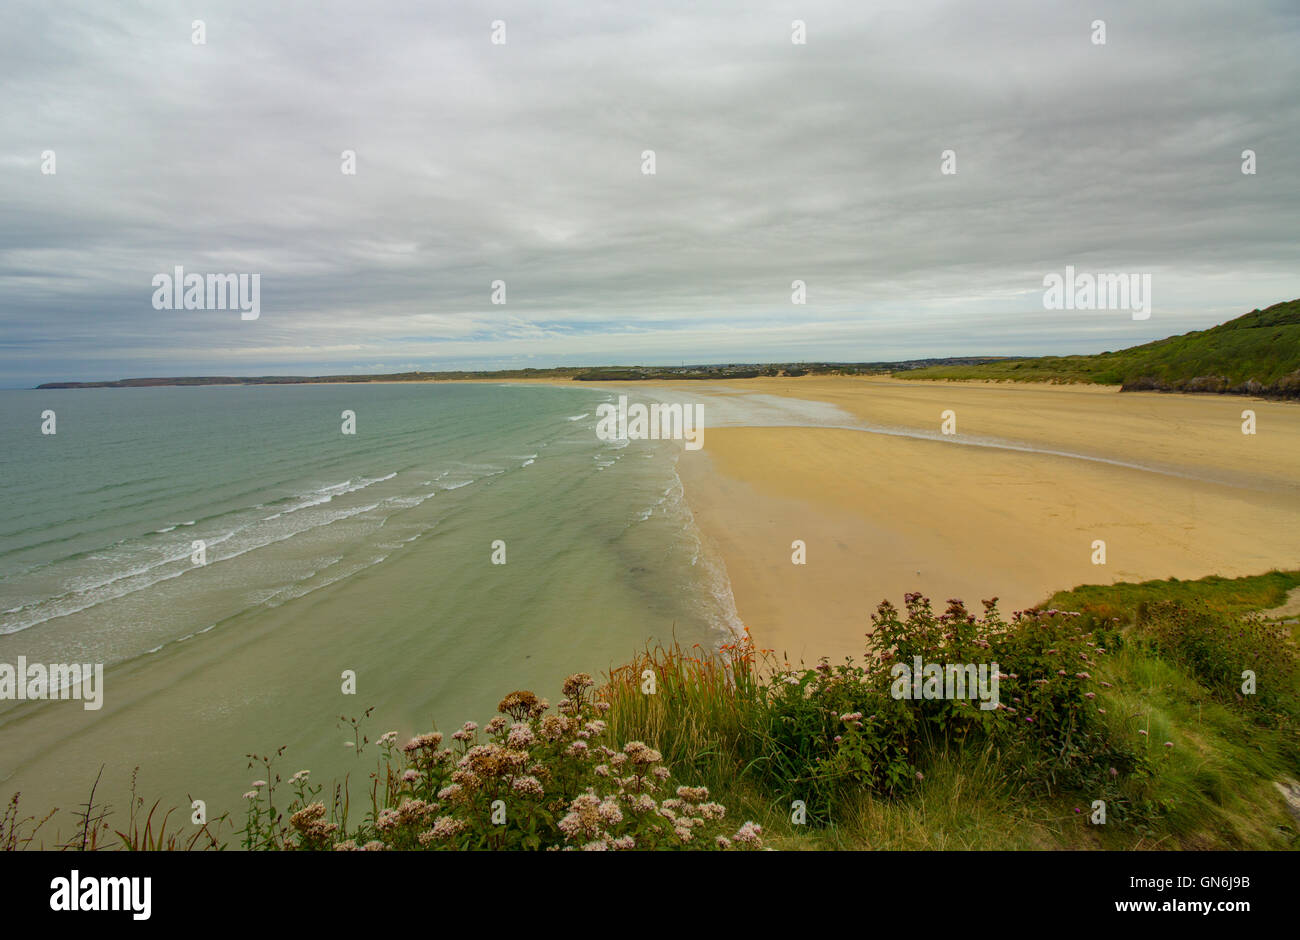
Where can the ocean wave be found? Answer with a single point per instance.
(328, 493)
(408, 502)
(716, 581)
(85, 593)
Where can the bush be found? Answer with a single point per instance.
(1218, 648)
(831, 730)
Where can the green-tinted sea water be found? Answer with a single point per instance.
(324, 552)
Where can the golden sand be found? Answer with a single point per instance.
(881, 515)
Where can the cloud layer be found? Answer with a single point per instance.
(522, 162)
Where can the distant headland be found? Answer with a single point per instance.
(574, 373)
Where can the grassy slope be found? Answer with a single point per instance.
(1216, 787)
(1262, 346)
(1229, 595)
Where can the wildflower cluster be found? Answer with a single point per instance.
(531, 778)
(834, 728)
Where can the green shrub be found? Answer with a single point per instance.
(1219, 648)
(833, 730)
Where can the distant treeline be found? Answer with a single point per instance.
(574, 373)
(756, 370)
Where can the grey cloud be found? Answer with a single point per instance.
(522, 162)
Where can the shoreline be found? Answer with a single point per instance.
(887, 512)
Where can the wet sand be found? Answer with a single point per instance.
(1169, 483)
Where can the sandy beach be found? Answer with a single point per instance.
(1009, 506)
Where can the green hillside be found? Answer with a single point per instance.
(1258, 353)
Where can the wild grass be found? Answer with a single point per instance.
(1225, 595)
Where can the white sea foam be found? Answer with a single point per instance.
(86, 591)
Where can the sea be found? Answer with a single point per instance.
(253, 577)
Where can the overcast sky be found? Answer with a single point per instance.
(522, 162)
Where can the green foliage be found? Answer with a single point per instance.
(1094, 709)
(1226, 595)
(835, 730)
(1219, 649)
(1258, 353)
